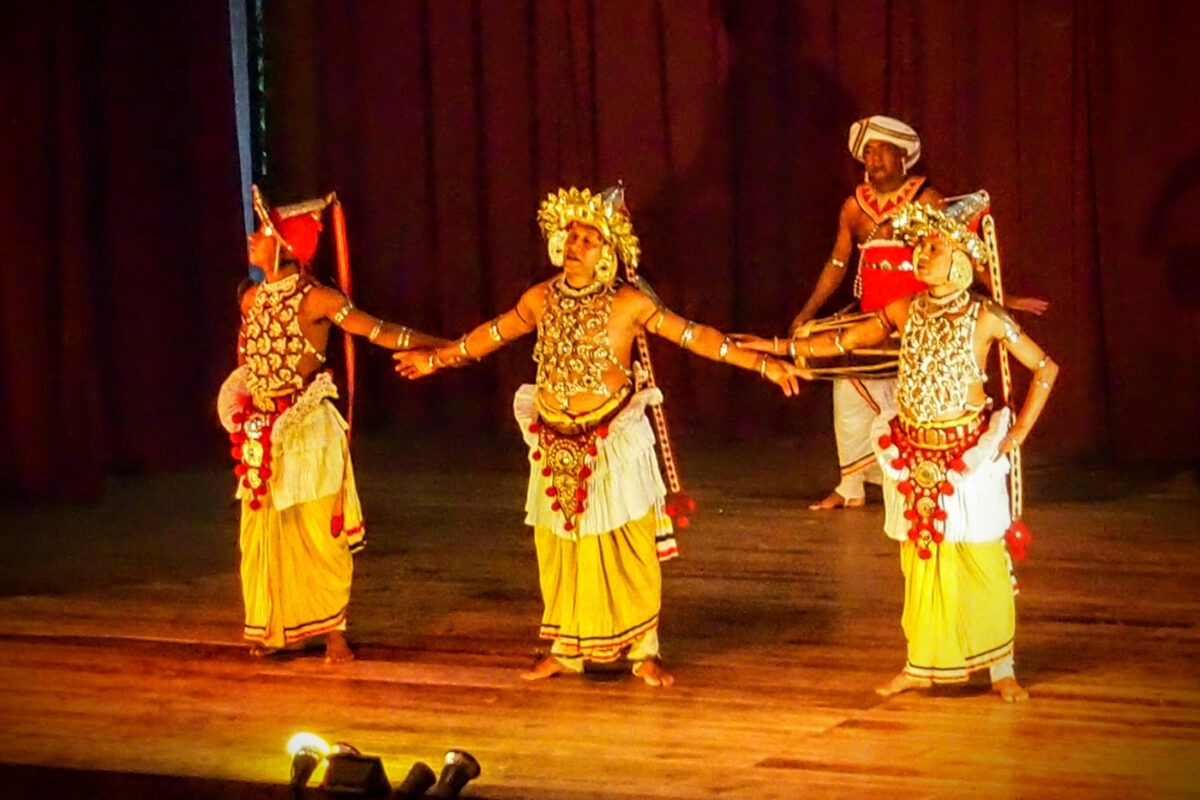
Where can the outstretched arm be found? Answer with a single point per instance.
(834, 271)
(337, 308)
(869, 332)
(710, 343)
(1045, 372)
(481, 341)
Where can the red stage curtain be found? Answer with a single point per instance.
(121, 230)
(442, 123)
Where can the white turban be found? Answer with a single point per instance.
(885, 129)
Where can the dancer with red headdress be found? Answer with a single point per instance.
(301, 520)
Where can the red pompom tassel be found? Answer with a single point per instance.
(1018, 538)
(683, 522)
(885, 442)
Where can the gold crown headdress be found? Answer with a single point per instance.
(913, 222)
(957, 224)
(606, 212)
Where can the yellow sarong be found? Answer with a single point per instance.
(602, 593)
(959, 614)
(297, 562)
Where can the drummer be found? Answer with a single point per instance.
(888, 149)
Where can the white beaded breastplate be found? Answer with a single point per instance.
(937, 357)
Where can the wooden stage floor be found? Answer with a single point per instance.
(120, 628)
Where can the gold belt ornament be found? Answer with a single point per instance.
(930, 451)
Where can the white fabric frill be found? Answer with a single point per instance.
(978, 511)
(625, 483)
(309, 454)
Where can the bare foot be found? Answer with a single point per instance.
(337, 650)
(835, 500)
(1010, 691)
(903, 682)
(652, 673)
(546, 667)
(260, 650)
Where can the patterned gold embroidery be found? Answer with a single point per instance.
(573, 351)
(937, 357)
(274, 341)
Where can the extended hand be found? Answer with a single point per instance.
(784, 375)
(1034, 305)
(800, 326)
(414, 364)
(748, 341)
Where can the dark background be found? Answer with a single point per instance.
(442, 123)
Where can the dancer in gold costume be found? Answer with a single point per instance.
(301, 520)
(595, 496)
(945, 455)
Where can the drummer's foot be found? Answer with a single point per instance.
(835, 500)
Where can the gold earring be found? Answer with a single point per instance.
(606, 266)
(961, 273)
(556, 246)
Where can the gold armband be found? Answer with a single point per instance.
(837, 342)
(762, 365)
(494, 331)
(342, 313)
(837, 262)
(723, 350)
(374, 334)
(404, 337)
(462, 348)
(685, 338)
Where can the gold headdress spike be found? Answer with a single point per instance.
(606, 212)
(916, 221)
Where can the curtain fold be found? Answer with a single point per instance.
(443, 123)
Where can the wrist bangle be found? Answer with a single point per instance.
(774, 345)
(762, 366)
(792, 349)
(810, 349)
(462, 348)
(837, 342)
(403, 337)
(374, 334)
(723, 350)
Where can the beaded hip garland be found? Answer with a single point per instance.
(573, 351)
(274, 341)
(930, 451)
(937, 356)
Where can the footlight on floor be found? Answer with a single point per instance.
(307, 751)
(348, 773)
(459, 769)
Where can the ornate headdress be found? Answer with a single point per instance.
(297, 226)
(885, 129)
(957, 224)
(606, 212)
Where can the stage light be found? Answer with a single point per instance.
(307, 751)
(420, 777)
(460, 769)
(351, 774)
